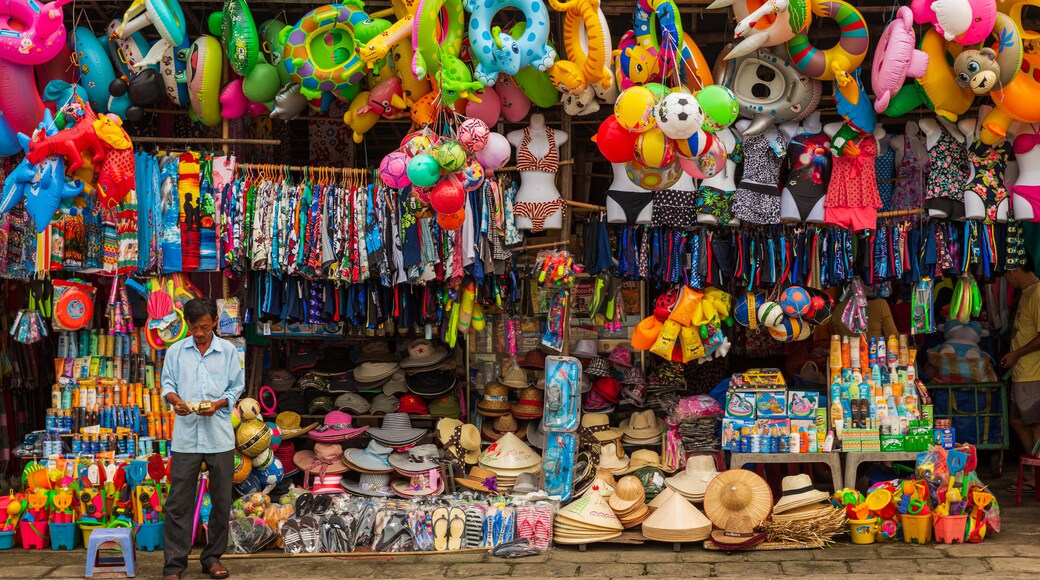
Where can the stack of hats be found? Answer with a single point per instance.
(373, 459)
(612, 457)
(494, 430)
(604, 394)
(620, 357)
(396, 431)
(424, 356)
(677, 520)
(371, 375)
(508, 458)
(642, 428)
(513, 376)
(738, 492)
(479, 479)
(694, 480)
(799, 500)
(645, 458)
(633, 387)
(530, 405)
(533, 360)
(740, 534)
(431, 383)
(322, 467)
(421, 465)
(495, 402)
(629, 502)
(337, 427)
(585, 520)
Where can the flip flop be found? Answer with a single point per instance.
(365, 524)
(304, 505)
(474, 527)
(310, 534)
(456, 528)
(440, 529)
(290, 531)
(335, 534)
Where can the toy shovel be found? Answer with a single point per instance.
(956, 460)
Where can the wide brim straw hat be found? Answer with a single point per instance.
(677, 521)
(642, 425)
(479, 479)
(737, 492)
(289, 425)
(694, 480)
(740, 534)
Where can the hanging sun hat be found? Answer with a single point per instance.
(396, 431)
(525, 483)
(375, 458)
(642, 425)
(598, 367)
(798, 491)
(413, 405)
(456, 436)
(396, 385)
(337, 426)
(353, 403)
(513, 376)
(431, 383)
(645, 458)
(419, 485)
(608, 388)
(325, 458)
(612, 457)
(632, 376)
(479, 479)
(371, 372)
(320, 404)
(530, 405)
(289, 424)
(737, 492)
(495, 402)
(509, 453)
(422, 354)
(375, 351)
(585, 348)
(534, 360)
(383, 404)
(416, 460)
(739, 534)
(599, 425)
(369, 485)
(494, 430)
(677, 521)
(620, 356)
(281, 379)
(446, 407)
(700, 470)
(536, 434)
(594, 402)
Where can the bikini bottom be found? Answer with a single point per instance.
(715, 202)
(538, 211)
(1030, 193)
(855, 219)
(631, 203)
(805, 197)
(674, 208)
(757, 204)
(953, 209)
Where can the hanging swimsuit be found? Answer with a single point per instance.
(946, 176)
(715, 201)
(674, 208)
(909, 178)
(806, 170)
(1031, 193)
(885, 168)
(632, 203)
(852, 196)
(988, 163)
(757, 198)
(538, 211)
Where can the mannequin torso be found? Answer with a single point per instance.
(626, 198)
(538, 202)
(715, 195)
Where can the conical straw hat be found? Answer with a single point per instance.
(661, 498)
(677, 518)
(738, 492)
(509, 453)
(591, 509)
(564, 539)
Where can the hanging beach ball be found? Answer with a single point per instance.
(634, 109)
(787, 330)
(679, 116)
(695, 145)
(393, 170)
(659, 91)
(655, 149)
(720, 107)
(418, 142)
(473, 134)
(451, 221)
(450, 156)
(447, 196)
(423, 170)
(653, 178)
(615, 142)
(472, 175)
(495, 153)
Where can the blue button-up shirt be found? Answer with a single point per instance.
(196, 377)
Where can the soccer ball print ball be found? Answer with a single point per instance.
(679, 115)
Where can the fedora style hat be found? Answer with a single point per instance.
(608, 388)
(369, 485)
(534, 359)
(797, 491)
(530, 405)
(337, 426)
(325, 458)
(599, 425)
(422, 354)
(525, 483)
(737, 492)
(645, 458)
(416, 460)
(479, 479)
(642, 425)
(396, 431)
(585, 348)
(495, 402)
(494, 430)
(513, 376)
(375, 458)
(598, 367)
(620, 356)
(739, 534)
(289, 425)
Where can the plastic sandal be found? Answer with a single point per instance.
(474, 527)
(304, 505)
(310, 534)
(291, 537)
(456, 528)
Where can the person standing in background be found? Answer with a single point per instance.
(1024, 358)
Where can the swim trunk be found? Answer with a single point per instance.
(856, 219)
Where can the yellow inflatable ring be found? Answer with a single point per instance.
(585, 30)
(845, 56)
(1016, 101)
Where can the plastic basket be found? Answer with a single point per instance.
(950, 529)
(63, 536)
(917, 529)
(863, 531)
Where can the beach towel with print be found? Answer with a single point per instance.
(169, 173)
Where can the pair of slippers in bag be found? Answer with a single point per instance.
(449, 528)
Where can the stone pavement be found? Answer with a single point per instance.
(1010, 554)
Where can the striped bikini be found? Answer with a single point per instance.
(538, 211)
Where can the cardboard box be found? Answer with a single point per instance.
(946, 438)
(740, 405)
(771, 404)
(802, 404)
(892, 443)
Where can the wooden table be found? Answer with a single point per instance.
(832, 459)
(853, 459)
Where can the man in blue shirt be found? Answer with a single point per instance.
(202, 379)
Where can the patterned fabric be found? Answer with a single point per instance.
(674, 208)
(715, 202)
(910, 177)
(885, 167)
(988, 163)
(948, 170)
(757, 198)
(853, 179)
(526, 161)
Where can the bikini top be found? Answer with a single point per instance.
(1025, 143)
(526, 161)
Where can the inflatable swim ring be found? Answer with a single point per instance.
(31, 33)
(20, 100)
(635, 64)
(319, 49)
(766, 23)
(165, 15)
(586, 42)
(429, 25)
(127, 53)
(971, 65)
(666, 44)
(1016, 102)
(965, 22)
(896, 58)
(497, 52)
(836, 62)
(204, 64)
(937, 89)
(237, 31)
(95, 68)
(172, 67)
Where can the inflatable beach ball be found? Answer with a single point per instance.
(393, 170)
(720, 107)
(747, 307)
(679, 116)
(795, 301)
(653, 178)
(473, 135)
(634, 109)
(451, 156)
(770, 314)
(655, 149)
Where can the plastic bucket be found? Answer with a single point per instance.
(6, 540)
(63, 536)
(863, 531)
(950, 529)
(34, 535)
(917, 529)
(88, 529)
(149, 537)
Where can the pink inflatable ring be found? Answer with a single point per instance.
(31, 33)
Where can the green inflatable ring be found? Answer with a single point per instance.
(426, 28)
(237, 31)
